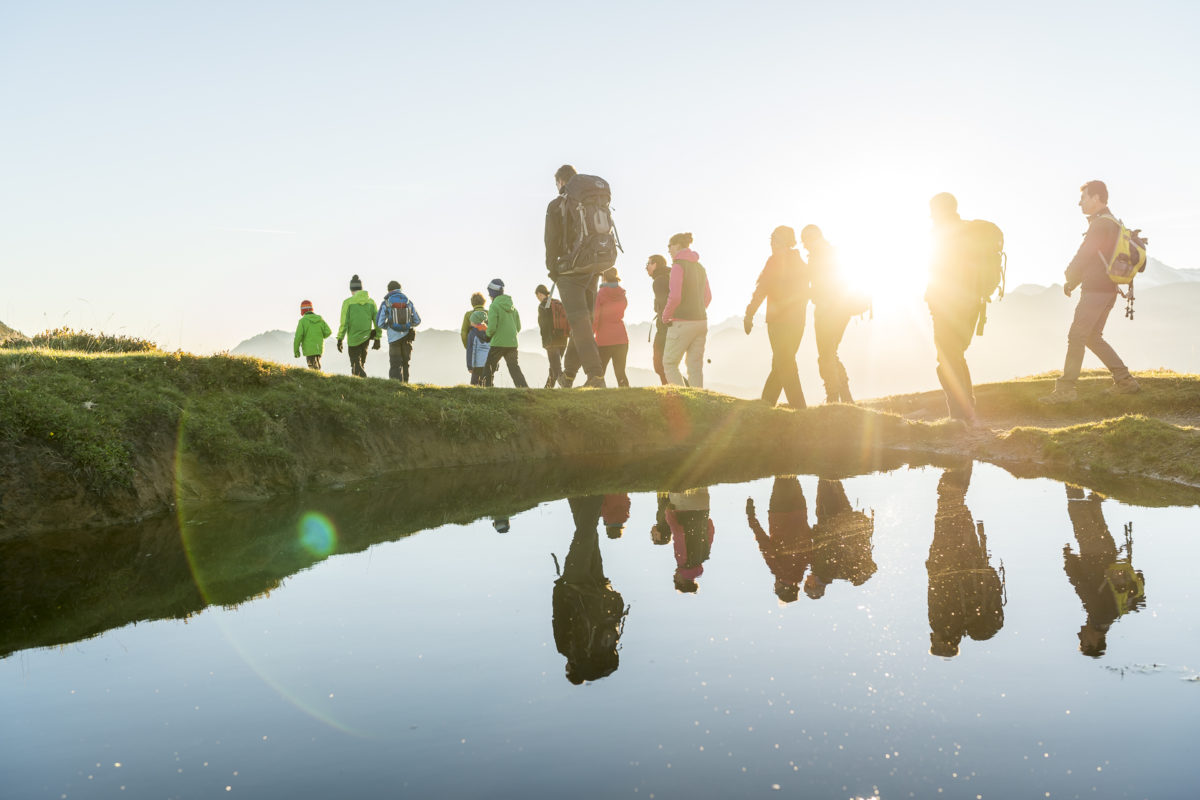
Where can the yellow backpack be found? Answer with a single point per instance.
(1128, 258)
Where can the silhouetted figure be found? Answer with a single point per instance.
(784, 284)
(660, 276)
(660, 531)
(692, 533)
(1098, 295)
(833, 306)
(615, 512)
(553, 327)
(841, 541)
(787, 549)
(588, 614)
(953, 299)
(966, 594)
(1107, 585)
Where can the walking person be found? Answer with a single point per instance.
(692, 530)
(311, 333)
(685, 312)
(953, 299)
(553, 327)
(476, 342)
(609, 325)
(400, 317)
(1097, 296)
(357, 327)
(503, 325)
(784, 285)
(660, 276)
(833, 306)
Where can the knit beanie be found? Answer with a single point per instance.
(355, 284)
(393, 286)
(305, 307)
(495, 288)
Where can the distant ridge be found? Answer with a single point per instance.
(7, 333)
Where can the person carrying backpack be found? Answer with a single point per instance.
(358, 326)
(399, 316)
(311, 333)
(553, 326)
(783, 283)
(686, 313)
(1098, 294)
(609, 325)
(660, 276)
(503, 325)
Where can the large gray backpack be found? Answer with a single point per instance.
(590, 241)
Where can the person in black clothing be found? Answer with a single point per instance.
(578, 293)
(660, 274)
(953, 299)
(588, 615)
(554, 342)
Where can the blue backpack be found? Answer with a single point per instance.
(399, 312)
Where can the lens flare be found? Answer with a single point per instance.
(317, 534)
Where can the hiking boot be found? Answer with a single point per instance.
(1125, 386)
(564, 381)
(595, 382)
(1061, 394)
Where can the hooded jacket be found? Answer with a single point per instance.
(466, 323)
(381, 319)
(1087, 268)
(784, 284)
(689, 293)
(503, 322)
(608, 323)
(311, 333)
(358, 319)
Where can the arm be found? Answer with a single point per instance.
(674, 294)
(491, 328)
(707, 291)
(376, 328)
(1089, 252)
(553, 235)
(296, 339)
(326, 331)
(760, 290)
(759, 534)
(341, 334)
(517, 318)
(466, 326)
(416, 318)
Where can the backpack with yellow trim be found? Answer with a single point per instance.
(1128, 257)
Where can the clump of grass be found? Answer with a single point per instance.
(79, 341)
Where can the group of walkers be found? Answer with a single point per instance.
(584, 329)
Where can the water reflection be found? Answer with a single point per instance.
(1106, 582)
(787, 547)
(691, 526)
(841, 541)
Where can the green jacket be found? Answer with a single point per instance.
(503, 322)
(466, 326)
(358, 319)
(311, 333)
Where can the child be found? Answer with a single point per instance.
(478, 346)
(311, 333)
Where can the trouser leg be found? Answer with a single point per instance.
(358, 358)
(554, 356)
(514, 368)
(395, 360)
(578, 293)
(314, 362)
(829, 327)
(785, 339)
(673, 350)
(695, 353)
(1087, 331)
(660, 343)
(951, 336)
(619, 356)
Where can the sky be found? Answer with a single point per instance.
(189, 172)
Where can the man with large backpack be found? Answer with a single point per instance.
(399, 316)
(1090, 270)
(553, 326)
(581, 243)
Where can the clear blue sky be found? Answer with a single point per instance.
(191, 171)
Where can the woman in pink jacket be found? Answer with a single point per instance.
(608, 325)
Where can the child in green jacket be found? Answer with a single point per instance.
(311, 333)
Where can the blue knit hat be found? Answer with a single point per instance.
(495, 288)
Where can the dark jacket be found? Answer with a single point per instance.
(784, 284)
(662, 290)
(1087, 267)
(550, 337)
(554, 234)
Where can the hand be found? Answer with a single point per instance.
(295, 355)
(1067, 289)
(375, 344)
(748, 324)
(749, 506)
(339, 342)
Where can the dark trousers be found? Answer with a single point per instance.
(479, 376)
(785, 341)
(399, 354)
(618, 354)
(1087, 331)
(314, 362)
(578, 293)
(358, 358)
(829, 326)
(509, 354)
(660, 345)
(952, 332)
(554, 355)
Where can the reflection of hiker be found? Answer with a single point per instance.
(588, 614)
(1097, 296)
(501, 524)
(311, 333)
(660, 275)
(833, 306)
(966, 595)
(474, 336)
(783, 283)
(1107, 585)
(553, 327)
(788, 548)
(399, 316)
(609, 325)
(953, 299)
(660, 531)
(841, 541)
(615, 511)
(692, 532)
(687, 300)
(357, 327)
(503, 325)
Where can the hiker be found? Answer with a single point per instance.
(687, 299)
(660, 276)
(784, 284)
(357, 327)
(608, 326)
(833, 306)
(953, 299)
(311, 333)
(400, 316)
(692, 533)
(553, 326)
(474, 335)
(503, 325)
(1107, 584)
(587, 613)
(615, 512)
(841, 548)
(1097, 296)
(966, 594)
(787, 549)
(577, 288)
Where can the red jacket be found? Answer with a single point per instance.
(609, 317)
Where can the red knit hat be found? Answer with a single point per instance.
(305, 307)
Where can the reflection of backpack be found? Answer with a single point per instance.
(558, 317)
(399, 315)
(986, 241)
(1128, 256)
(590, 242)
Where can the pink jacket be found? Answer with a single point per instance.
(675, 296)
(609, 317)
